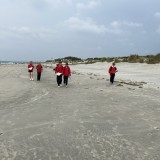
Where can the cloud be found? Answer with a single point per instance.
(88, 25)
(42, 4)
(58, 2)
(117, 24)
(26, 31)
(118, 27)
(20, 30)
(157, 14)
(90, 5)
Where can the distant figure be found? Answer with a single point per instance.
(112, 70)
(59, 71)
(66, 74)
(39, 71)
(30, 70)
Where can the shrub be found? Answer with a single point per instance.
(134, 58)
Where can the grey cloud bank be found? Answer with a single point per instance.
(44, 29)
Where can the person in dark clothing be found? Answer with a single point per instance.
(66, 74)
(112, 70)
(59, 72)
(39, 71)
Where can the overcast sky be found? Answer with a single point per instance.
(44, 29)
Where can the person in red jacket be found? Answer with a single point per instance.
(59, 72)
(112, 70)
(39, 71)
(66, 74)
(30, 70)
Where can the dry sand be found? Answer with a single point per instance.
(89, 120)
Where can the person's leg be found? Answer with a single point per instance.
(66, 80)
(31, 75)
(39, 76)
(112, 78)
(60, 79)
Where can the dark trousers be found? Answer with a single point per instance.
(38, 76)
(65, 78)
(59, 80)
(112, 75)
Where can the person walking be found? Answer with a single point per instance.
(59, 71)
(39, 71)
(66, 74)
(30, 70)
(112, 70)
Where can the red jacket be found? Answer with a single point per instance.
(66, 71)
(39, 68)
(59, 69)
(112, 70)
(30, 66)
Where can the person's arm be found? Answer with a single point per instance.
(109, 71)
(62, 69)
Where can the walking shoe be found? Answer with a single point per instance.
(58, 86)
(66, 86)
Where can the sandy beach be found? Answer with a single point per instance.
(89, 120)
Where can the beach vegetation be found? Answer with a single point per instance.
(133, 58)
(153, 59)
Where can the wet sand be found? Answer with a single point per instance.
(89, 120)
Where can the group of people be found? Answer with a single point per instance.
(60, 71)
(64, 71)
(39, 69)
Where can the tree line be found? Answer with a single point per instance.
(133, 58)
